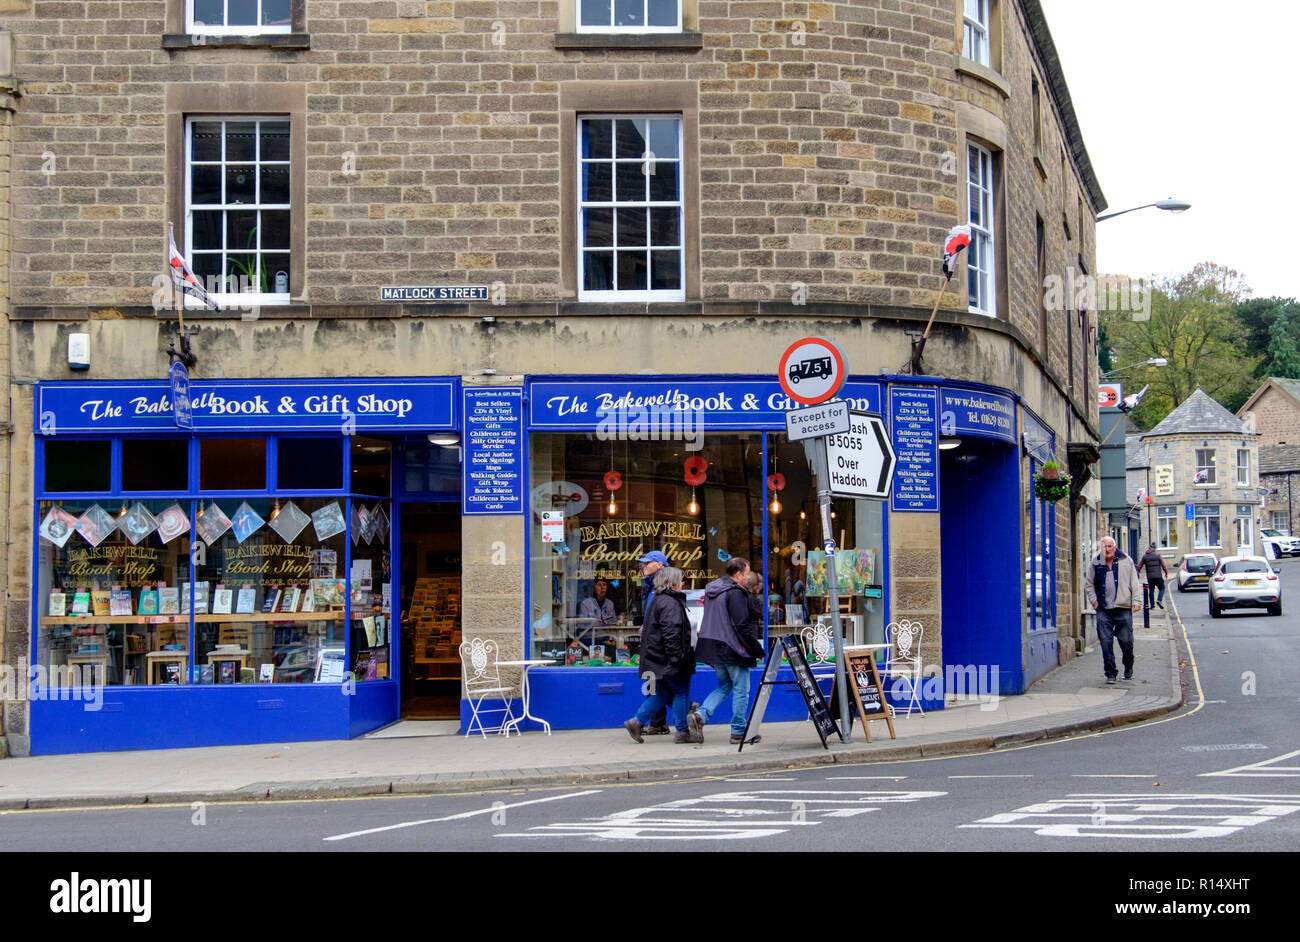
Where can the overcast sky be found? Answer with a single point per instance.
(1189, 99)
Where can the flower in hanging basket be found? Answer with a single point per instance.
(1052, 484)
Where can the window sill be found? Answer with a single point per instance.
(985, 74)
(264, 41)
(687, 41)
(1042, 170)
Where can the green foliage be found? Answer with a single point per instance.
(1284, 345)
(1193, 325)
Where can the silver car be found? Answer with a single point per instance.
(1245, 582)
(1284, 544)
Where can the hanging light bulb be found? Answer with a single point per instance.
(122, 512)
(613, 507)
(775, 506)
(803, 515)
(693, 507)
(276, 511)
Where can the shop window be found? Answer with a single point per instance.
(630, 238)
(304, 464)
(1167, 527)
(797, 572)
(78, 466)
(150, 464)
(372, 460)
(101, 567)
(232, 464)
(598, 506)
(1040, 562)
(629, 16)
(220, 17)
(1280, 521)
(237, 207)
(1205, 528)
(432, 469)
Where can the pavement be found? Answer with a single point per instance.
(430, 758)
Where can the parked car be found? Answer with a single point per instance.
(1284, 544)
(1245, 582)
(1195, 569)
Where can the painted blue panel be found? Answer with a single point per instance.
(983, 590)
(725, 403)
(191, 715)
(493, 471)
(914, 429)
(374, 704)
(967, 412)
(249, 405)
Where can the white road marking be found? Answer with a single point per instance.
(1226, 747)
(1278, 767)
(990, 776)
(1144, 816)
(1113, 775)
(733, 815)
(762, 778)
(865, 778)
(460, 817)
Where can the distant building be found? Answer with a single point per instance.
(1274, 412)
(1279, 467)
(1204, 458)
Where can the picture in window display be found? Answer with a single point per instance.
(267, 602)
(602, 507)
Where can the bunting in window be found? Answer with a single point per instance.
(183, 276)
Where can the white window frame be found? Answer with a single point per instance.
(1243, 466)
(1167, 528)
(1212, 478)
(1280, 521)
(231, 298)
(195, 27)
(980, 188)
(975, 35)
(648, 294)
(612, 28)
(1243, 524)
(1201, 530)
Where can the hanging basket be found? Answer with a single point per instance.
(1051, 484)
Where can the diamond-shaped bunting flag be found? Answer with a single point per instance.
(57, 526)
(328, 521)
(95, 525)
(211, 523)
(289, 522)
(247, 521)
(138, 523)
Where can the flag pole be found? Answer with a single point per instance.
(918, 346)
(185, 356)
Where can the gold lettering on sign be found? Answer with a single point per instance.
(128, 566)
(639, 529)
(271, 561)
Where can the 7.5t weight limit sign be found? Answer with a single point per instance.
(861, 461)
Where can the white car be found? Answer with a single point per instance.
(1284, 544)
(1195, 569)
(1245, 582)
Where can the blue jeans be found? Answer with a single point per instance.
(675, 690)
(1116, 623)
(733, 682)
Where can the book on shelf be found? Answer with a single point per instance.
(120, 602)
(172, 672)
(169, 600)
(148, 602)
(205, 673)
(272, 601)
(58, 603)
(222, 599)
(227, 671)
(81, 602)
(289, 601)
(369, 624)
(266, 674)
(245, 600)
(100, 598)
(201, 598)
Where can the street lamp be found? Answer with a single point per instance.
(1151, 361)
(1169, 205)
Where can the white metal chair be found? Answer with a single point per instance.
(904, 640)
(482, 678)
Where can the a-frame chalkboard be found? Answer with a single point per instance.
(818, 710)
(868, 693)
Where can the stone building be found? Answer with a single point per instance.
(1204, 468)
(1278, 467)
(489, 278)
(1274, 412)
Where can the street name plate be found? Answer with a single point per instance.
(829, 418)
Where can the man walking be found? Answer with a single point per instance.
(727, 645)
(1156, 572)
(1115, 593)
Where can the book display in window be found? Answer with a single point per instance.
(245, 600)
(102, 601)
(327, 594)
(169, 601)
(434, 617)
(58, 603)
(138, 523)
(81, 602)
(222, 600)
(271, 602)
(148, 602)
(120, 602)
(289, 603)
(211, 523)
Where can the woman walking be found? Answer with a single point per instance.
(667, 658)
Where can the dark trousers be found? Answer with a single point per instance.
(1157, 582)
(1116, 623)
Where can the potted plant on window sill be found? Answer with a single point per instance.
(1051, 483)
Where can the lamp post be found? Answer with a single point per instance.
(1170, 205)
(1151, 361)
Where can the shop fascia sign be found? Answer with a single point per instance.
(342, 405)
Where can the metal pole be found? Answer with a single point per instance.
(815, 448)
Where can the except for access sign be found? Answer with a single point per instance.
(829, 418)
(812, 370)
(861, 462)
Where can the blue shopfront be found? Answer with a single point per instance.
(290, 569)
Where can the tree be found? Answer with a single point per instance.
(1192, 325)
(1283, 346)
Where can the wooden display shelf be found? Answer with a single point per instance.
(185, 619)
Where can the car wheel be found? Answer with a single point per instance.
(1214, 609)
(1275, 609)
(1180, 586)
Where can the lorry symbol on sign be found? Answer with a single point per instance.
(812, 368)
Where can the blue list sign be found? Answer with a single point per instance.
(494, 458)
(914, 422)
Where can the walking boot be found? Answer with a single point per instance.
(633, 727)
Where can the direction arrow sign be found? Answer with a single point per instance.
(861, 462)
(829, 418)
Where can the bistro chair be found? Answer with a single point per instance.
(482, 678)
(818, 645)
(904, 640)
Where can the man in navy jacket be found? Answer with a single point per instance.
(727, 644)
